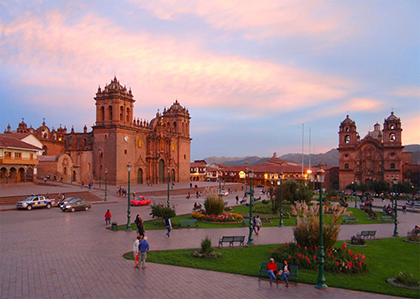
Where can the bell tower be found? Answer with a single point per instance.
(392, 147)
(348, 134)
(392, 131)
(114, 105)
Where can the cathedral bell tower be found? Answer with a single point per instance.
(348, 134)
(392, 131)
(114, 105)
(392, 148)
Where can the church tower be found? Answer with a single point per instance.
(348, 141)
(392, 145)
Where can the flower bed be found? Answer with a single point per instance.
(337, 260)
(224, 217)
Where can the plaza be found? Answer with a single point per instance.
(51, 254)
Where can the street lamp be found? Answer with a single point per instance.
(100, 167)
(128, 228)
(168, 169)
(395, 182)
(321, 278)
(246, 168)
(281, 199)
(220, 187)
(251, 175)
(355, 195)
(106, 178)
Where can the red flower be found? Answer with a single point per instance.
(337, 263)
(344, 245)
(299, 246)
(289, 256)
(271, 251)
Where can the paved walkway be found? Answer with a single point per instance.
(50, 254)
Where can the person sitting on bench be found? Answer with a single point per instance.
(272, 269)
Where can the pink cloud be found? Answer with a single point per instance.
(258, 19)
(408, 91)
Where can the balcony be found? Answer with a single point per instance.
(18, 161)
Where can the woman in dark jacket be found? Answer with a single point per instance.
(140, 225)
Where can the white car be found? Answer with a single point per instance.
(223, 193)
(35, 201)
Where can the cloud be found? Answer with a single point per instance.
(255, 18)
(81, 54)
(408, 91)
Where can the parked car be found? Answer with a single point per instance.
(140, 201)
(76, 204)
(35, 201)
(260, 186)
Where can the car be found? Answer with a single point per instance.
(260, 186)
(76, 204)
(140, 201)
(35, 201)
(223, 193)
(66, 200)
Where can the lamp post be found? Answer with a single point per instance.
(281, 200)
(168, 169)
(355, 196)
(251, 193)
(106, 178)
(220, 187)
(100, 167)
(395, 182)
(128, 228)
(246, 168)
(321, 278)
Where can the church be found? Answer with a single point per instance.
(152, 150)
(379, 156)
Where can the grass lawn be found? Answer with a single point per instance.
(384, 259)
(243, 209)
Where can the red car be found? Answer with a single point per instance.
(140, 201)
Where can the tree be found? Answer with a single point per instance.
(294, 191)
(275, 196)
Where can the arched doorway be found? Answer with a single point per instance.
(140, 176)
(29, 175)
(161, 171)
(73, 177)
(12, 175)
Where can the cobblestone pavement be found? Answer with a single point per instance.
(51, 254)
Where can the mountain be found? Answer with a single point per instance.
(329, 158)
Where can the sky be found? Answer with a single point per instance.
(256, 76)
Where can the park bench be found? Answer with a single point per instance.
(387, 219)
(188, 222)
(367, 234)
(292, 268)
(347, 220)
(231, 240)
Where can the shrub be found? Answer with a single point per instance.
(357, 240)
(206, 245)
(265, 201)
(214, 205)
(414, 237)
(160, 210)
(407, 279)
(306, 231)
(337, 260)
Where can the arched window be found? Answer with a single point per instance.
(121, 113)
(102, 115)
(346, 166)
(128, 115)
(392, 166)
(110, 112)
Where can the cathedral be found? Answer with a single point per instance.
(153, 150)
(379, 156)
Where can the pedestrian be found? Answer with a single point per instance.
(143, 248)
(190, 185)
(168, 225)
(272, 270)
(188, 196)
(254, 225)
(140, 227)
(404, 208)
(134, 195)
(237, 199)
(108, 217)
(136, 251)
(259, 224)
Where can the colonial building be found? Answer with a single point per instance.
(378, 156)
(154, 149)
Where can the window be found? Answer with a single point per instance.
(185, 157)
(31, 156)
(18, 155)
(392, 154)
(392, 166)
(346, 155)
(125, 152)
(347, 139)
(7, 154)
(346, 166)
(392, 137)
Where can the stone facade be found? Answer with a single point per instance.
(153, 148)
(378, 156)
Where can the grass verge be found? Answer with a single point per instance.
(385, 258)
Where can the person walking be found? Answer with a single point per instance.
(168, 225)
(259, 224)
(254, 225)
(140, 227)
(136, 251)
(143, 248)
(237, 199)
(108, 217)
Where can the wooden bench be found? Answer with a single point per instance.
(231, 240)
(292, 268)
(387, 219)
(349, 220)
(367, 234)
(188, 222)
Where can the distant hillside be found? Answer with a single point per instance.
(329, 158)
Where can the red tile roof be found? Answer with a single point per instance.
(10, 141)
